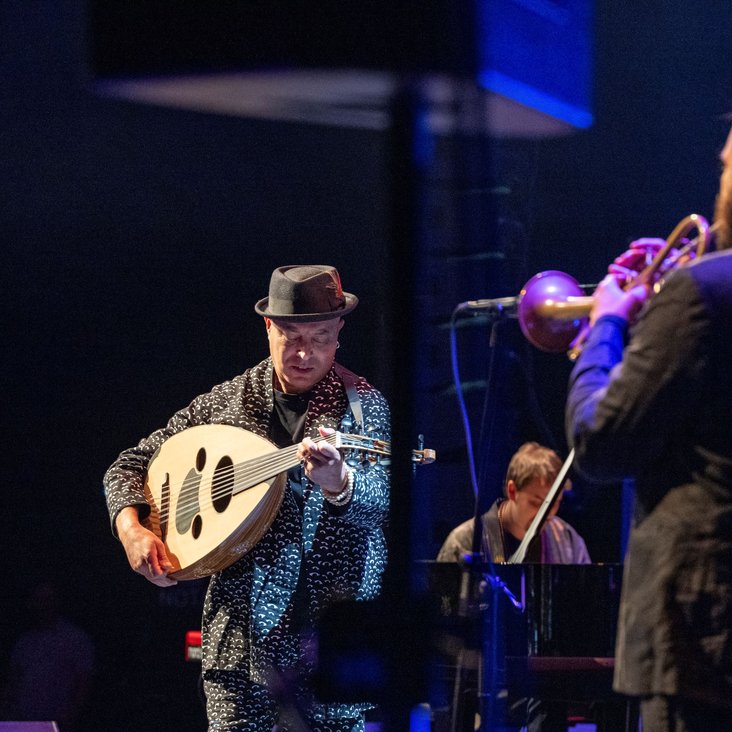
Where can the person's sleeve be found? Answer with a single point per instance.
(458, 543)
(623, 407)
(125, 479)
(580, 553)
(369, 506)
(448, 551)
(562, 544)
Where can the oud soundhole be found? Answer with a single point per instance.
(222, 486)
(201, 459)
(196, 526)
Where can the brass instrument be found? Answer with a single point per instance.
(553, 308)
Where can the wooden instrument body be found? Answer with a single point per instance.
(205, 507)
(214, 490)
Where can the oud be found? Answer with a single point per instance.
(214, 490)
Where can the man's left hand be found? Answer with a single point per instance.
(610, 299)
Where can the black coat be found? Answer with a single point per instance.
(660, 411)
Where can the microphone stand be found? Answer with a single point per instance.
(492, 677)
(493, 690)
(475, 579)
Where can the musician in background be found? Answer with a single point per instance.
(531, 473)
(326, 542)
(656, 404)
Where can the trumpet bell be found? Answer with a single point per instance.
(552, 310)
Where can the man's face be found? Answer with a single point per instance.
(528, 500)
(302, 353)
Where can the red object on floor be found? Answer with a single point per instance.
(193, 645)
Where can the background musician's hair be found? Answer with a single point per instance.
(531, 461)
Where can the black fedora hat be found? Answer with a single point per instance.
(306, 293)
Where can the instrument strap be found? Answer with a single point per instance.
(349, 382)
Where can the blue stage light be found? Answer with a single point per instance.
(538, 53)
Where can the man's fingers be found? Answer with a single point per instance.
(653, 243)
(155, 563)
(165, 564)
(306, 448)
(640, 293)
(156, 571)
(624, 273)
(318, 453)
(161, 563)
(318, 458)
(162, 580)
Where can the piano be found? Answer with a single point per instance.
(532, 630)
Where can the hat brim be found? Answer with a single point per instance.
(262, 308)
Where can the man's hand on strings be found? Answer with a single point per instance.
(323, 463)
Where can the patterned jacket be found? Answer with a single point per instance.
(309, 557)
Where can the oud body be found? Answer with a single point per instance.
(213, 490)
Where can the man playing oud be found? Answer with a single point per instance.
(326, 542)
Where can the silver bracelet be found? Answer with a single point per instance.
(342, 498)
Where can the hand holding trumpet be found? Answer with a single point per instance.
(553, 309)
(639, 255)
(610, 298)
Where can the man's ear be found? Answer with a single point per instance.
(511, 490)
